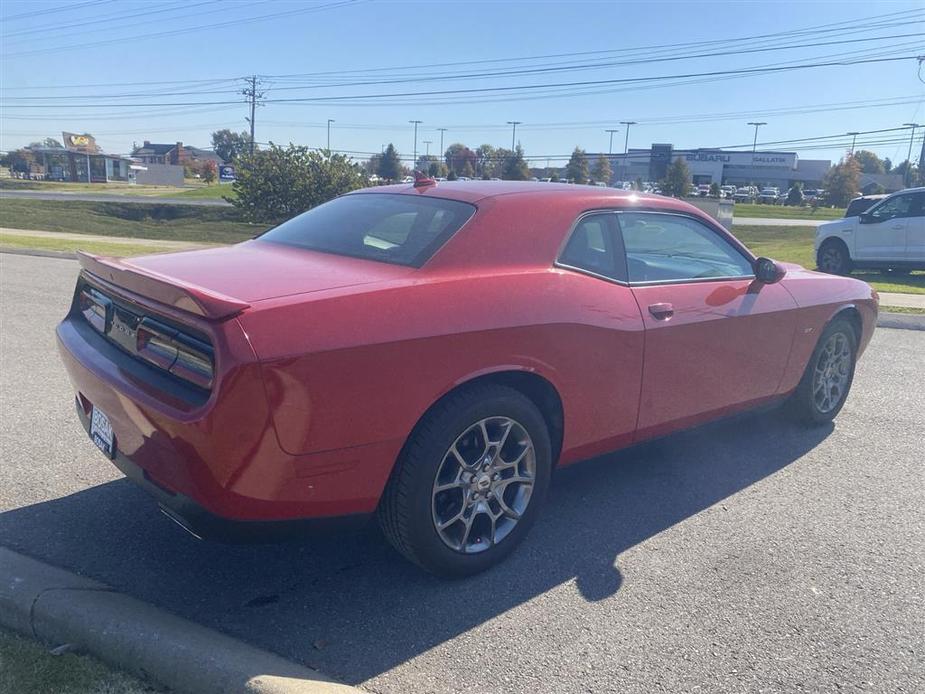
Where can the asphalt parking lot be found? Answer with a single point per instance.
(746, 556)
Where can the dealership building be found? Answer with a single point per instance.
(780, 169)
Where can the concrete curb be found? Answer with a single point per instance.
(901, 321)
(68, 255)
(57, 607)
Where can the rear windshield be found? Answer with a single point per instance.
(400, 229)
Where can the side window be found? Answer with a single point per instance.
(899, 206)
(662, 247)
(591, 247)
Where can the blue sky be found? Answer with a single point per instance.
(51, 53)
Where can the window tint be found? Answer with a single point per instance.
(401, 229)
(898, 206)
(591, 247)
(663, 247)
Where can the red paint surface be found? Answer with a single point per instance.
(326, 363)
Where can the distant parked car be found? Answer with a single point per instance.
(768, 196)
(703, 190)
(889, 235)
(745, 194)
(862, 204)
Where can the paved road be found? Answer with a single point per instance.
(747, 556)
(768, 222)
(104, 197)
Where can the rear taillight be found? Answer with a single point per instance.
(175, 351)
(96, 308)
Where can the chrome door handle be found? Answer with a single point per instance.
(661, 311)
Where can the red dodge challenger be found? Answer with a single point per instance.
(430, 352)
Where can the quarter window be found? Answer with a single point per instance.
(593, 247)
(662, 247)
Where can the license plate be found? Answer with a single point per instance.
(101, 432)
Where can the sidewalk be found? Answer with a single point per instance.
(888, 299)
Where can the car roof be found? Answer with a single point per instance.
(476, 191)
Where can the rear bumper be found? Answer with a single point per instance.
(216, 466)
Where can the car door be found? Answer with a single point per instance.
(915, 230)
(881, 231)
(715, 339)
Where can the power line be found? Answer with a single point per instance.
(185, 30)
(52, 10)
(487, 90)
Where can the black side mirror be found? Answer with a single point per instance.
(865, 218)
(768, 271)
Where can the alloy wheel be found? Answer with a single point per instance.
(832, 373)
(483, 485)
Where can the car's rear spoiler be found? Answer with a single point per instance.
(168, 290)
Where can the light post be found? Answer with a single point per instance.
(330, 120)
(442, 130)
(416, 123)
(626, 145)
(610, 149)
(755, 141)
(908, 177)
(427, 144)
(513, 124)
(854, 136)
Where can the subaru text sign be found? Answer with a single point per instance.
(225, 173)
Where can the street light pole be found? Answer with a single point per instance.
(442, 130)
(908, 177)
(427, 143)
(513, 124)
(854, 136)
(610, 149)
(626, 145)
(330, 120)
(755, 141)
(414, 161)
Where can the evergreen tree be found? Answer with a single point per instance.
(577, 168)
(515, 166)
(602, 171)
(677, 181)
(390, 164)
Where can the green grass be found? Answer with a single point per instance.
(108, 188)
(44, 243)
(795, 245)
(26, 667)
(154, 221)
(782, 212)
(903, 309)
(213, 192)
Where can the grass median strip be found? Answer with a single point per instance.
(27, 667)
(785, 212)
(166, 222)
(70, 245)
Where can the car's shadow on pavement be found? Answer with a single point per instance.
(349, 605)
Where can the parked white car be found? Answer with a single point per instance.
(889, 235)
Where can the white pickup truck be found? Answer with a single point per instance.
(890, 235)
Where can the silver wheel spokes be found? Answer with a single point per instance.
(831, 260)
(831, 373)
(483, 485)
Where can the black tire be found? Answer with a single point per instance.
(833, 258)
(803, 406)
(405, 510)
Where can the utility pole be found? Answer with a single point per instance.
(513, 124)
(610, 149)
(908, 177)
(414, 160)
(854, 136)
(626, 146)
(330, 120)
(253, 97)
(442, 130)
(755, 141)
